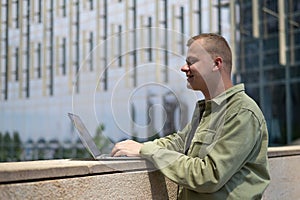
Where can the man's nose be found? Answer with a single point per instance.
(185, 68)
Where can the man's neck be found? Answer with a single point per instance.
(217, 90)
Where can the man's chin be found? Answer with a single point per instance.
(188, 85)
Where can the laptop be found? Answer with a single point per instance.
(89, 143)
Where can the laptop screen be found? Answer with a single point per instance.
(84, 135)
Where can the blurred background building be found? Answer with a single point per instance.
(268, 63)
(117, 64)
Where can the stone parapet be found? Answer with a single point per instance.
(84, 179)
(54, 169)
(285, 177)
(131, 179)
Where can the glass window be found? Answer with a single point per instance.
(275, 113)
(295, 88)
(271, 43)
(274, 74)
(270, 17)
(250, 77)
(295, 71)
(270, 58)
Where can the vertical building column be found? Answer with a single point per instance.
(70, 46)
(6, 50)
(64, 56)
(17, 64)
(142, 37)
(105, 27)
(199, 16)
(57, 54)
(191, 17)
(166, 47)
(39, 60)
(255, 19)
(210, 16)
(157, 40)
(20, 68)
(219, 17)
(91, 50)
(112, 44)
(262, 99)
(134, 9)
(181, 18)
(28, 50)
(98, 42)
(149, 39)
(283, 24)
(32, 63)
(120, 46)
(48, 48)
(51, 46)
(282, 32)
(233, 34)
(77, 46)
(1, 39)
(127, 38)
(174, 27)
(44, 43)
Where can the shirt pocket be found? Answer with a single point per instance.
(200, 142)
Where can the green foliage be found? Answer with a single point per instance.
(12, 149)
(7, 147)
(41, 148)
(17, 147)
(57, 148)
(1, 148)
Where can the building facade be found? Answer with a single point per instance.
(269, 63)
(117, 63)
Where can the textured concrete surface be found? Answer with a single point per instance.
(131, 185)
(285, 179)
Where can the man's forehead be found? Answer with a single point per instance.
(197, 44)
(196, 49)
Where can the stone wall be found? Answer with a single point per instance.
(75, 179)
(135, 179)
(285, 174)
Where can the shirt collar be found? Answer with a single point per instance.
(228, 93)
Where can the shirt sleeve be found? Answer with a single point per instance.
(225, 155)
(174, 142)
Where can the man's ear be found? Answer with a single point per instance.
(217, 63)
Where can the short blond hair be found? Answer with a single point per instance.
(215, 45)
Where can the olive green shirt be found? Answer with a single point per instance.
(227, 156)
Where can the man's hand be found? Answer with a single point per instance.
(128, 148)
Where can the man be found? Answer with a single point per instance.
(222, 153)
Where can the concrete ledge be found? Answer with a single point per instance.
(136, 179)
(32, 170)
(75, 179)
(283, 151)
